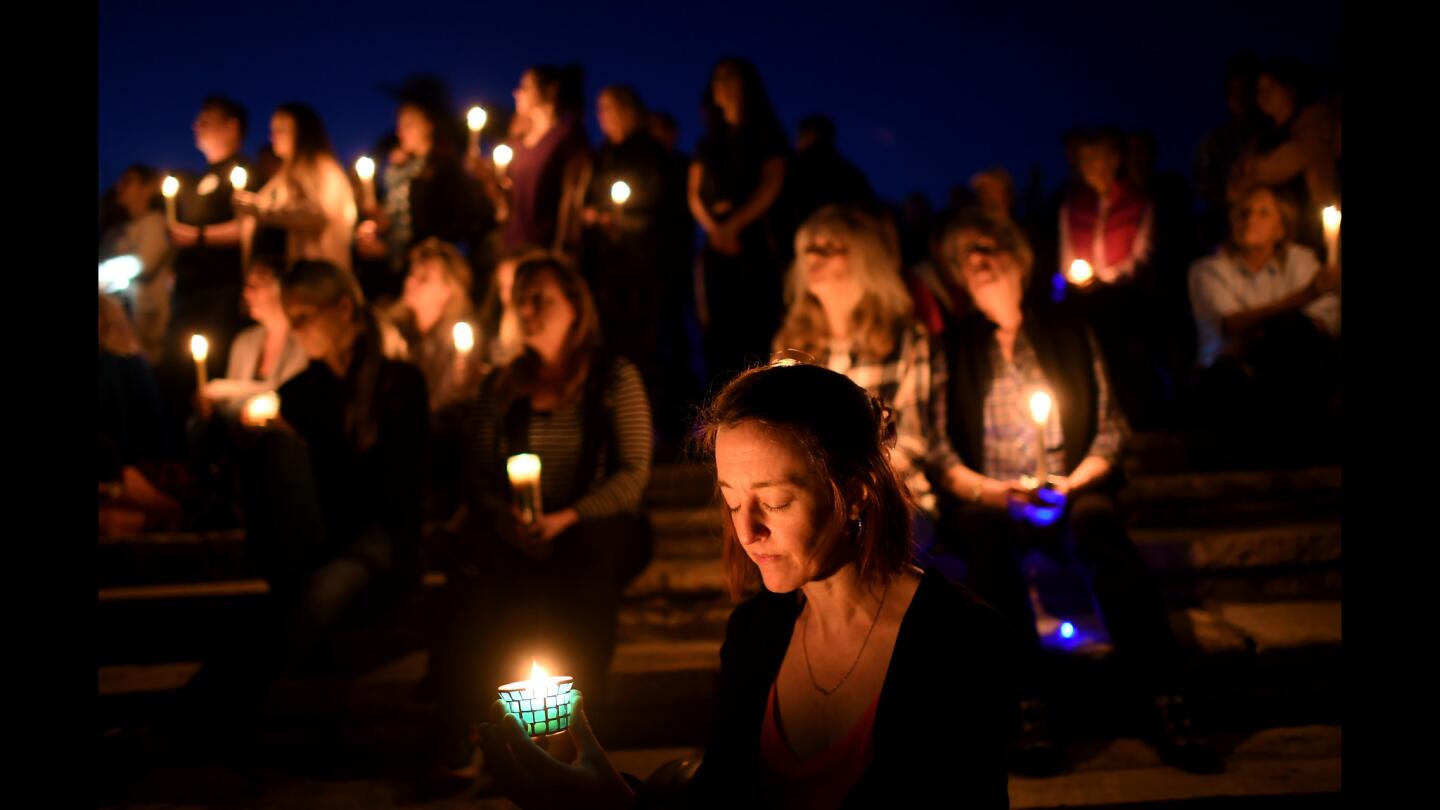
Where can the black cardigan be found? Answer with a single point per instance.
(945, 714)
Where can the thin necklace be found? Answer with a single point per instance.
(805, 644)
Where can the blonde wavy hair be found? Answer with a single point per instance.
(874, 255)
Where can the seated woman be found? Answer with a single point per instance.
(262, 356)
(849, 310)
(997, 358)
(1266, 316)
(498, 339)
(436, 298)
(332, 488)
(554, 583)
(904, 695)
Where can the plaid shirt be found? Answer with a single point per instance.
(1010, 430)
(901, 380)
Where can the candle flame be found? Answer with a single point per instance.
(199, 347)
(1040, 407)
(171, 186)
(239, 177)
(620, 192)
(1080, 272)
(525, 466)
(503, 154)
(1331, 217)
(464, 337)
(537, 672)
(365, 168)
(476, 118)
(261, 408)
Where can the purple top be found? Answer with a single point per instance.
(537, 175)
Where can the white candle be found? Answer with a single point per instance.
(169, 188)
(365, 170)
(1080, 273)
(1330, 217)
(238, 178)
(620, 192)
(262, 408)
(502, 156)
(199, 349)
(475, 121)
(524, 472)
(464, 337)
(541, 703)
(1040, 405)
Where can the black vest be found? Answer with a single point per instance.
(1062, 348)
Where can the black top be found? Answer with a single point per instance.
(632, 248)
(945, 712)
(1063, 350)
(821, 176)
(732, 159)
(448, 204)
(204, 267)
(380, 487)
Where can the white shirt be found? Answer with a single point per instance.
(1220, 287)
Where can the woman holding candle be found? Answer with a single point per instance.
(550, 166)
(735, 179)
(998, 358)
(851, 677)
(310, 198)
(265, 355)
(435, 300)
(850, 311)
(331, 489)
(553, 583)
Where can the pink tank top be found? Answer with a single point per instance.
(822, 780)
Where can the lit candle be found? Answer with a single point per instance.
(199, 349)
(1040, 411)
(1330, 217)
(365, 170)
(1080, 273)
(261, 408)
(238, 178)
(524, 472)
(502, 156)
(464, 341)
(542, 703)
(620, 192)
(169, 188)
(475, 121)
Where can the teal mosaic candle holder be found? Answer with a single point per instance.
(542, 705)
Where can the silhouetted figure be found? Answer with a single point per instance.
(818, 175)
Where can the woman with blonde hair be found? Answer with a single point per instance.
(849, 311)
(436, 298)
(310, 198)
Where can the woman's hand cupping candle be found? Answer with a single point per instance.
(542, 703)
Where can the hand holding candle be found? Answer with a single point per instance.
(365, 170)
(199, 349)
(238, 178)
(168, 189)
(1080, 273)
(1330, 217)
(524, 472)
(1040, 405)
(475, 121)
(620, 192)
(542, 703)
(261, 409)
(502, 157)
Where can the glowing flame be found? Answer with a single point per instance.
(464, 337)
(1040, 407)
(620, 192)
(239, 177)
(524, 467)
(475, 119)
(1331, 217)
(503, 155)
(537, 672)
(261, 408)
(171, 186)
(1080, 272)
(365, 168)
(199, 347)
(117, 273)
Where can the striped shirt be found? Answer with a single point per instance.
(1010, 430)
(556, 437)
(902, 381)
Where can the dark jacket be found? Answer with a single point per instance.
(1063, 350)
(942, 725)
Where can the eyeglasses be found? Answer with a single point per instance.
(826, 251)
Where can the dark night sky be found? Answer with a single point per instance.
(923, 95)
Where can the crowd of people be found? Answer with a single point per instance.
(868, 374)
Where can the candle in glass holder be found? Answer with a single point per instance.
(542, 703)
(199, 349)
(1040, 411)
(1330, 218)
(238, 178)
(502, 156)
(261, 409)
(524, 472)
(365, 170)
(475, 121)
(168, 189)
(1080, 273)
